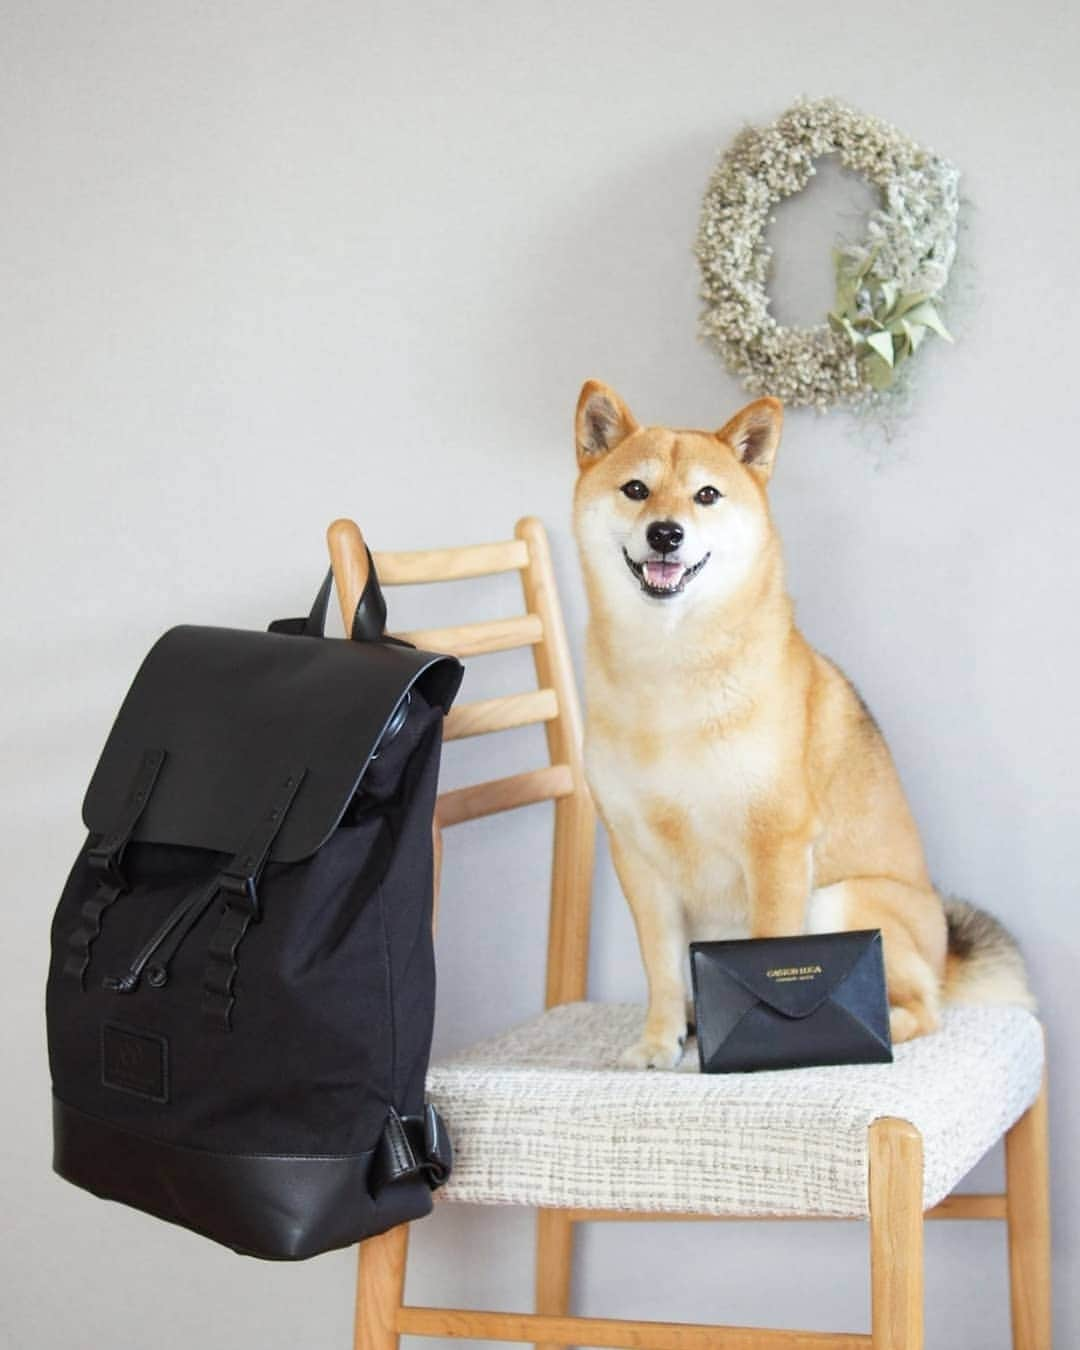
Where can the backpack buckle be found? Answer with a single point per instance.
(104, 859)
(239, 881)
(240, 892)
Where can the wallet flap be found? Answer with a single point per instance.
(793, 976)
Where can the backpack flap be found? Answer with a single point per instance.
(234, 711)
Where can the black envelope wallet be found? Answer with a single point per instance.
(782, 1003)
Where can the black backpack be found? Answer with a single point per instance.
(241, 991)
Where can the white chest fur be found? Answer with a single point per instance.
(679, 799)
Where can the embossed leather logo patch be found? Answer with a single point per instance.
(135, 1061)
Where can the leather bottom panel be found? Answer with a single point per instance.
(278, 1208)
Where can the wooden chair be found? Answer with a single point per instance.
(1005, 1066)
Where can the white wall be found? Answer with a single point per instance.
(265, 263)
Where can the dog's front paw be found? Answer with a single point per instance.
(654, 1052)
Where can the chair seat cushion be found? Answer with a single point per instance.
(543, 1115)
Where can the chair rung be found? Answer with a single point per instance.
(614, 1332)
(474, 639)
(451, 564)
(504, 794)
(969, 1206)
(500, 714)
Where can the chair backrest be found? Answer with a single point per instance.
(554, 703)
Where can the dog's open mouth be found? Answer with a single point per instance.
(661, 577)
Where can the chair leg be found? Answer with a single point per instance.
(380, 1284)
(896, 1235)
(1027, 1201)
(554, 1259)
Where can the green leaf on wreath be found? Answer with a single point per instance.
(889, 293)
(882, 344)
(910, 300)
(914, 333)
(878, 374)
(926, 315)
(902, 348)
(891, 325)
(845, 294)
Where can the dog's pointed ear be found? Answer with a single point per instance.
(754, 433)
(601, 422)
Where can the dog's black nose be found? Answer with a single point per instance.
(664, 535)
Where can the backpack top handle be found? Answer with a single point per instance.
(363, 607)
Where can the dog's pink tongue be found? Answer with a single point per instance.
(663, 574)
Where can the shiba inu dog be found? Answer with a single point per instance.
(746, 788)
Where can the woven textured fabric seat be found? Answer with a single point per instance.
(542, 1115)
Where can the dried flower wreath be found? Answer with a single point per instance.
(888, 285)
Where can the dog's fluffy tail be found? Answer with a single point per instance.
(984, 964)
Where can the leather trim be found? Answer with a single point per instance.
(412, 1146)
(394, 1157)
(276, 1207)
(315, 623)
(369, 618)
(235, 710)
(438, 1151)
(104, 856)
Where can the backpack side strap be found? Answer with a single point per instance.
(410, 1147)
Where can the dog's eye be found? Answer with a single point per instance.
(635, 490)
(705, 496)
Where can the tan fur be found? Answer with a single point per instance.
(745, 787)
